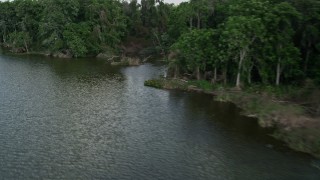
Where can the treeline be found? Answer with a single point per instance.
(80, 27)
(242, 41)
(247, 41)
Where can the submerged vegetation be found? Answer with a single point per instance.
(263, 55)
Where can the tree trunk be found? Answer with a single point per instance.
(278, 69)
(26, 46)
(238, 79)
(199, 20)
(214, 79)
(4, 36)
(249, 74)
(242, 56)
(198, 73)
(306, 61)
(278, 72)
(176, 71)
(225, 81)
(249, 78)
(159, 44)
(191, 21)
(215, 74)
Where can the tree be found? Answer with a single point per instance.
(178, 21)
(195, 47)
(20, 41)
(282, 37)
(76, 36)
(133, 15)
(239, 35)
(55, 16)
(108, 23)
(308, 33)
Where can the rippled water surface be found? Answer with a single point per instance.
(83, 119)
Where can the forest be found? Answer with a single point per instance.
(271, 42)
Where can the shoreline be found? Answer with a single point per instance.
(114, 60)
(292, 124)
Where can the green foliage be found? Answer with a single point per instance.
(20, 40)
(83, 27)
(281, 92)
(238, 36)
(196, 48)
(258, 35)
(167, 84)
(55, 16)
(177, 21)
(154, 83)
(202, 84)
(75, 36)
(261, 41)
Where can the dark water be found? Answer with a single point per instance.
(83, 119)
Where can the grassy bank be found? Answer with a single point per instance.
(167, 84)
(273, 107)
(294, 125)
(180, 84)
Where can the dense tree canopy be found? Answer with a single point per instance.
(238, 41)
(261, 41)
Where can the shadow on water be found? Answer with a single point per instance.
(228, 116)
(83, 69)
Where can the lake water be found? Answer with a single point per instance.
(83, 119)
